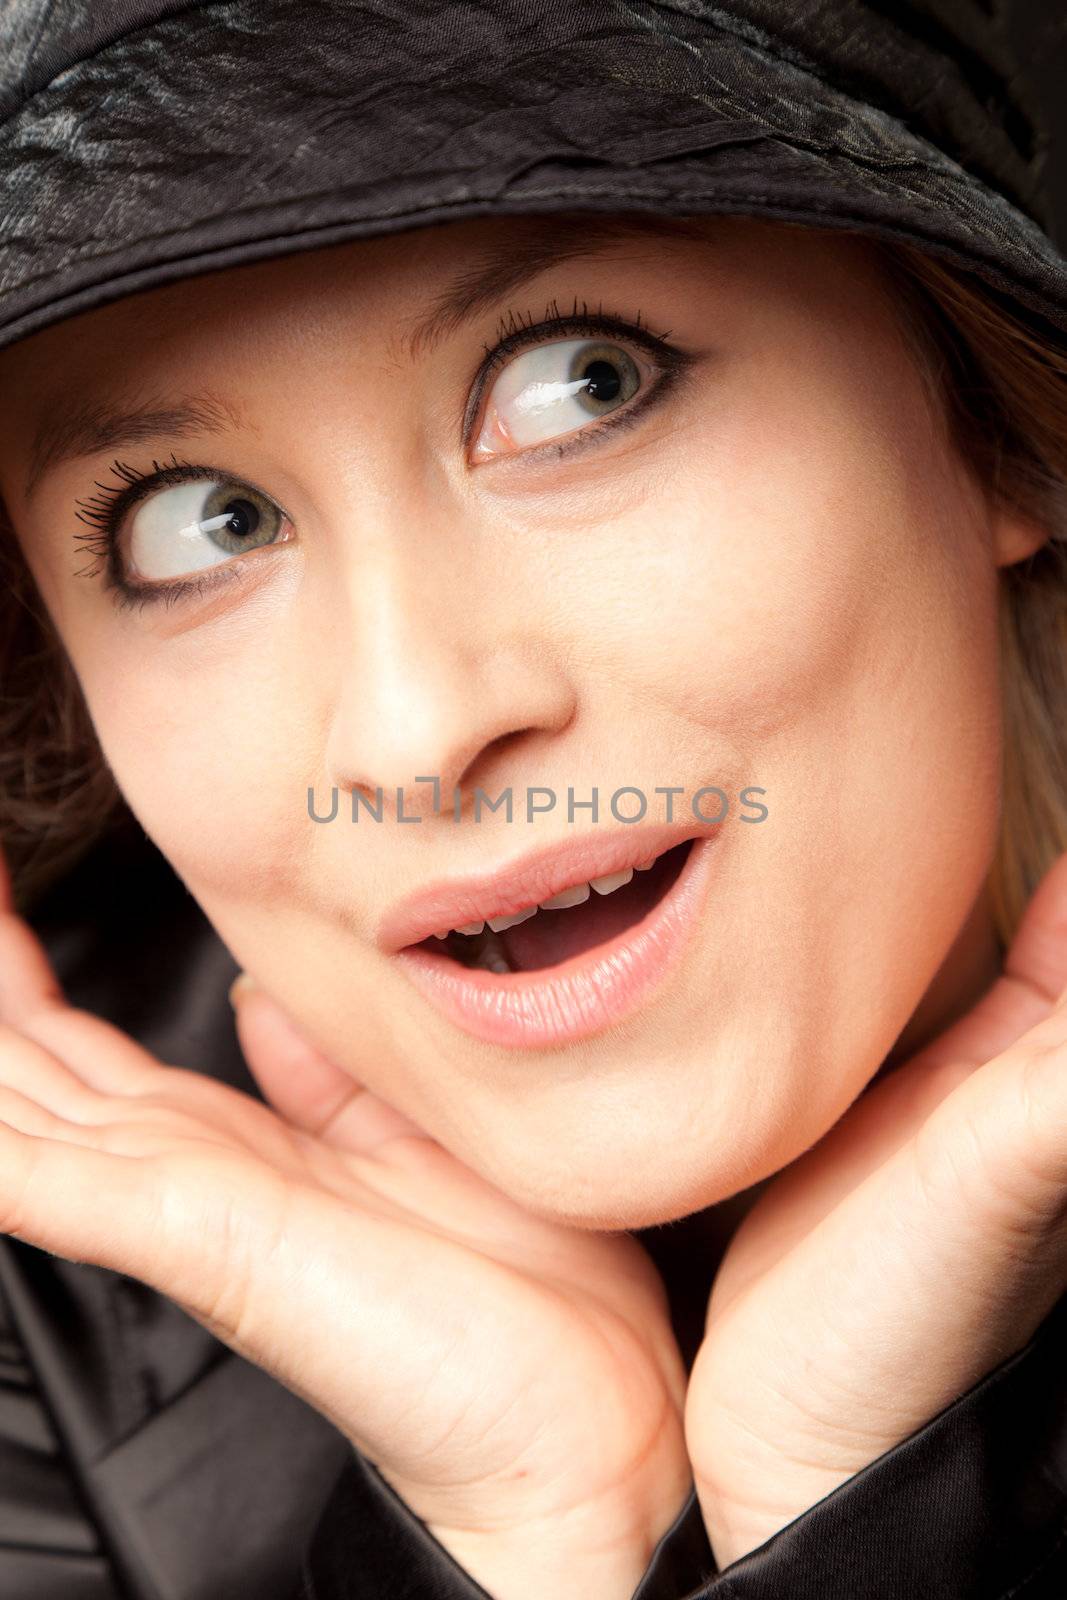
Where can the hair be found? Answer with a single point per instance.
(999, 375)
(57, 792)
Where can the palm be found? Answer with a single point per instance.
(910, 1251)
(346, 1252)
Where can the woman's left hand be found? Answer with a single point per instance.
(914, 1248)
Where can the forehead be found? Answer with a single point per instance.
(446, 272)
(481, 261)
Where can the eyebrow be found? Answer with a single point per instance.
(506, 266)
(87, 429)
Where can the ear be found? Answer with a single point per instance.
(1016, 536)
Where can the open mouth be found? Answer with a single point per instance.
(542, 976)
(577, 920)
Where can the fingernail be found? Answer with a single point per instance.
(241, 985)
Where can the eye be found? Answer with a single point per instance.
(554, 390)
(195, 525)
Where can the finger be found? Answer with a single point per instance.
(102, 1055)
(1033, 982)
(74, 1201)
(27, 978)
(132, 1211)
(1004, 1130)
(1038, 955)
(29, 1116)
(32, 1070)
(989, 1157)
(302, 1084)
(33, 1001)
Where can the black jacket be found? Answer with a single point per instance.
(140, 1458)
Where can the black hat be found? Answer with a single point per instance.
(142, 141)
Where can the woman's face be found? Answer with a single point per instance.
(703, 531)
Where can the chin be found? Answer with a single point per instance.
(613, 1190)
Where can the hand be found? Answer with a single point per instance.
(517, 1382)
(920, 1243)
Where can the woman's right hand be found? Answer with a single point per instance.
(898, 1261)
(516, 1382)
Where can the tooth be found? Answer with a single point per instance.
(495, 963)
(567, 897)
(472, 927)
(643, 866)
(611, 881)
(442, 935)
(498, 924)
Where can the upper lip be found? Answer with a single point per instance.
(536, 876)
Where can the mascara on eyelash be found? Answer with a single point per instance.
(96, 508)
(514, 323)
(521, 335)
(100, 511)
(103, 510)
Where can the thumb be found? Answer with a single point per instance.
(301, 1083)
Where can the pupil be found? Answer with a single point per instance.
(602, 380)
(244, 518)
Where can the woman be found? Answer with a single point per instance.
(596, 674)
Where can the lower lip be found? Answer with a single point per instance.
(556, 1005)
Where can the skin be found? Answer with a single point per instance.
(840, 650)
(780, 576)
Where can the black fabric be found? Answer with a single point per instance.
(47, 1539)
(369, 1542)
(973, 1506)
(232, 131)
(180, 1472)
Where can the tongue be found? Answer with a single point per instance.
(554, 936)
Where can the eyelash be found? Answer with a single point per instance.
(516, 331)
(103, 512)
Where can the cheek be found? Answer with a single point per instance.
(808, 591)
(208, 741)
(785, 557)
(812, 607)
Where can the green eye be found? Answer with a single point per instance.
(556, 388)
(198, 524)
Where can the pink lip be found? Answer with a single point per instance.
(557, 1005)
(455, 902)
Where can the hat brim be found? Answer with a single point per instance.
(227, 134)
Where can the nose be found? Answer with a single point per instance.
(440, 685)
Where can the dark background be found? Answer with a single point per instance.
(1038, 31)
